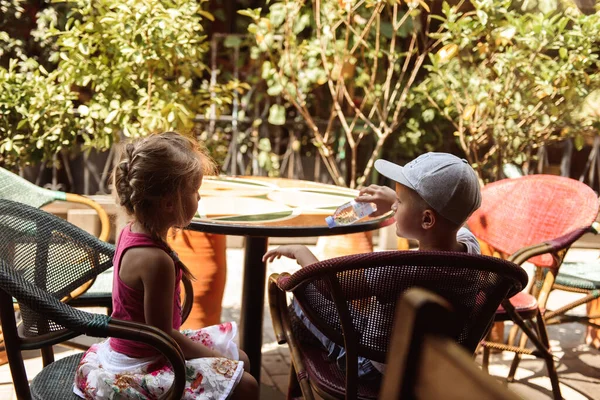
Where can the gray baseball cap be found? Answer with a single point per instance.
(447, 183)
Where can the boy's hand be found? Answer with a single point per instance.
(383, 197)
(299, 253)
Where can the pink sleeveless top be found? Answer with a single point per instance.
(128, 303)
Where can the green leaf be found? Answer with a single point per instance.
(83, 49)
(275, 89)
(277, 115)
(483, 17)
(428, 115)
(22, 123)
(579, 142)
(277, 14)
(252, 13)
(563, 53)
(83, 110)
(111, 116)
(206, 15)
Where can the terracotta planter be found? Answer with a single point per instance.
(205, 255)
(344, 245)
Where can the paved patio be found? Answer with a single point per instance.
(578, 368)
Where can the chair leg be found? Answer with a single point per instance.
(552, 374)
(47, 355)
(512, 335)
(13, 352)
(486, 359)
(516, 360)
(294, 390)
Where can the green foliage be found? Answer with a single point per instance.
(11, 15)
(129, 67)
(36, 113)
(347, 68)
(510, 80)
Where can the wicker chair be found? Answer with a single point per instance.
(534, 218)
(44, 318)
(56, 256)
(425, 363)
(15, 188)
(352, 301)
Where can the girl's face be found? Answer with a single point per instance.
(189, 200)
(407, 212)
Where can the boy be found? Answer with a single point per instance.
(435, 194)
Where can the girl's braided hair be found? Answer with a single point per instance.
(156, 166)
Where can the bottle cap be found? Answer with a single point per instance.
(330, 221)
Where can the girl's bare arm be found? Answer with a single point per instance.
(158, 277)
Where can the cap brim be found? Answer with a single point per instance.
(392, 171)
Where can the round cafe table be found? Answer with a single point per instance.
(258, 208)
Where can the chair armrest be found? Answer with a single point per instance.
(96, 325)
(524, 254)
(277, 305)
(104, 221)
(159, 340)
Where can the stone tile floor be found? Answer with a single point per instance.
(578, 365)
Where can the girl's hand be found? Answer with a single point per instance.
(299, 253)
(383, 197)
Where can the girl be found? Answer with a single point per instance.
(157, 182)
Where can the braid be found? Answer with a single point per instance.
(126, 192)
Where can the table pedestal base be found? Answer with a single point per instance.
(253, 301)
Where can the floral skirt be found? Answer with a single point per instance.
(104, 373)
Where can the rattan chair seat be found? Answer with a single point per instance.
(579, 275)
(56, 380)
(327, 376)
(524, 303)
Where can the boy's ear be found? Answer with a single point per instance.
(428, 219)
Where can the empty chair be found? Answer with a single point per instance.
(533, 218)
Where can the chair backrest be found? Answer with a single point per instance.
(49, 252)
(21, 190)
(424, 363)
(533, 209)
(15, 188)
(352, 299)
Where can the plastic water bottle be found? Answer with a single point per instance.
(350, 212)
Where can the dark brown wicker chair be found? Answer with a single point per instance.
(54, 322)
(425, 363)
(352, 301)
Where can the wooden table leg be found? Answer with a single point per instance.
(253, 301)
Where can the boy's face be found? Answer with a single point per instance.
(408, 210)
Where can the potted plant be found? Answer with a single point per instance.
(116, 70)
(510, 80)
(346, 68)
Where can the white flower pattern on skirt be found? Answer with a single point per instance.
(106, 374)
